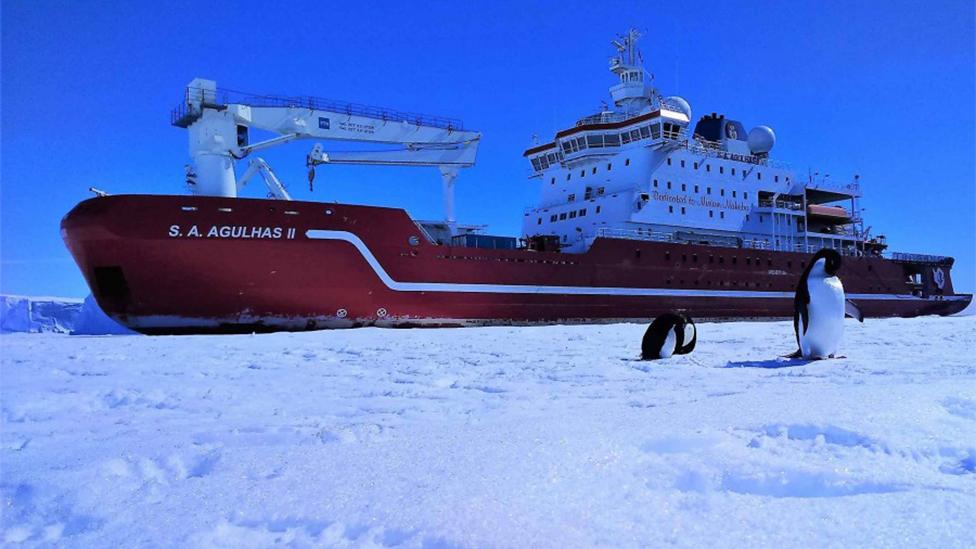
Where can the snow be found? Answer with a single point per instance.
(491, 437)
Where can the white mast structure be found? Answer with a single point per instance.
(219, 129)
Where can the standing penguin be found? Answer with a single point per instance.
(819, 307)
(669, 334)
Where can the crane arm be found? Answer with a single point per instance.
(219, 128)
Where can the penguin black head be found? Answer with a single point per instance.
(832, 261)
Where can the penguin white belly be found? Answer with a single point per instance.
(667, 348)
(826, 318)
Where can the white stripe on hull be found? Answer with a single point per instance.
(345, 236)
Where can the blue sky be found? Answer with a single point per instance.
(882, 89)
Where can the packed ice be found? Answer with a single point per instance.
(491, 437)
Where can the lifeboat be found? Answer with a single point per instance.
(833, 213)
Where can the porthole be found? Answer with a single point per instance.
(413, 240)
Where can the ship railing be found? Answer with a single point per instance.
(824, 183)
(712, 150)
(226, 96)
(634, 234)
(782, 204)
(605, 118)
(920, 258)
(649, 235)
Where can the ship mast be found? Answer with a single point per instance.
(634, 92)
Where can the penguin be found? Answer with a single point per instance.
(669, 334)
(819, 308)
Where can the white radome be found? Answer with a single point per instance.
(681, 104)
(761, 139)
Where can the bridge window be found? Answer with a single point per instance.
(582, 212)
(572, 214)
(562, 216)
(598, 209)
(553, 217)
(571, 197)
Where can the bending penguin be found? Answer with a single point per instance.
(819, 308)
(669, 334)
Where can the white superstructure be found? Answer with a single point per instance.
(640, 170)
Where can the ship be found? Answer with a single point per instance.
(640, 212)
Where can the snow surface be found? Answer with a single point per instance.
(491, 437)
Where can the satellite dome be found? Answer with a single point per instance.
(680, 104)
(761, 139)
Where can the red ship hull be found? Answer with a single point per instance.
(179, 264)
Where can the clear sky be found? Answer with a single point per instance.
(881, 89)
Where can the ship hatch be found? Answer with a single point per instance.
(111, 283)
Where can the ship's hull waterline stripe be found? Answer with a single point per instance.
(453, 287)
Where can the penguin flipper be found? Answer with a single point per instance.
(851, 310)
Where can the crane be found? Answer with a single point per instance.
(219, 121)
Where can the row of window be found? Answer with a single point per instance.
(602, 140)
(567, 215)
(708, 190)
(721, 170)
(543, 161)
(734, 260)
(615, 139)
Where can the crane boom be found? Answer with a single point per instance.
(219, 121)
